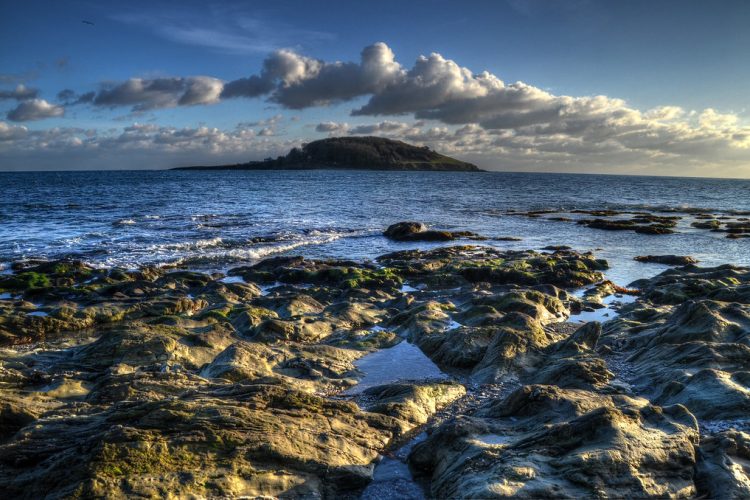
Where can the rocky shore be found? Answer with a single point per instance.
(462, 371)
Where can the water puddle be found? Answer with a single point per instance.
(5, 296)
(715, 426)
(494, 439)
(266, 289)
(606, 313)
(232, 279)
(392, 478)
(40, 314)
(408, 289)
(452, 325)
(404, 361)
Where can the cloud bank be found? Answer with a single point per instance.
(20, 93)
(35, 109)
(147, 94)
(474, 115)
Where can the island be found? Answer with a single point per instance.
(356, 153)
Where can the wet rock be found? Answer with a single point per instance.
(231, 441)
(670, 260)
(688, 341)
(543, 441)
(706, 224)
(723, 468)
(412, 403)
(641, 225)
(162, 382)
(416, 231)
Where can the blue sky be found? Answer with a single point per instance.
(655, 87)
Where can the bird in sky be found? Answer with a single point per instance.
(87, 22)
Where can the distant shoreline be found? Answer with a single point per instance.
(356, 153)
(262, 168)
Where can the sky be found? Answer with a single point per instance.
(656, 87)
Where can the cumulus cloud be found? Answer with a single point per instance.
(34, 109)
(69, 97)
(439, 89)
(146, 94)
(385, 128)
(298, 82)
(332, 128)
(12, 132)
(20, 93)
(268, 122)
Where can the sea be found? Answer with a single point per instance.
(213, 221)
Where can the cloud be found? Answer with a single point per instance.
(268, 122)
(135, 146)
(464, 113)
(69, 97)
(298, 82)
(253, 86)
(385, 128)
(332, 128)
(12, 132)
(223, 29)
(664, 150)
(146, 94)
(34, 109)
(20, 93)
(24, 76)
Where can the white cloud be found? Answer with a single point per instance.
(12, 132)
(332, 128)
(135, 146)
(34, 109)
(146, 94)
(298, 82)
(20, 93)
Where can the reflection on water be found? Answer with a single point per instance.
(404, 361)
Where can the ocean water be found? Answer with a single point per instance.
(215, 220)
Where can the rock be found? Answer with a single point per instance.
(404, 230)
(543, 441)
(416, 231)
(637, 224)
(117, 383)
(413, 403)
(723, 468)
(707, 224)
(670, 260)
(229, 443)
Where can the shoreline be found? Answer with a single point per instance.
(264, 362)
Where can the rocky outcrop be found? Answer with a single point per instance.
(669, 260)
(278, 382)
(360, 153)
(416, 231)
(547, 442)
